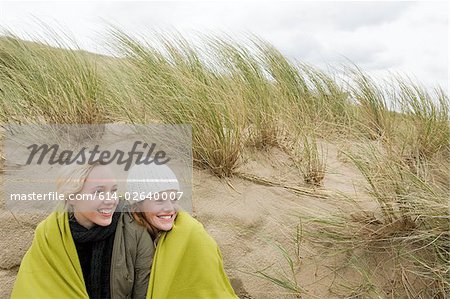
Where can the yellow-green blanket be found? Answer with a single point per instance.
(188, 264)
(50, 268)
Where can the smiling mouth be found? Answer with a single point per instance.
(166, 217)
(105, 211)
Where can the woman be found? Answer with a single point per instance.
(187, 263)
(91, 249)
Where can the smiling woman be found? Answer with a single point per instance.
(88, 209)
(90, 250)
(158, 211)
(187, 263)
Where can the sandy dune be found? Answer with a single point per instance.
(245, 217)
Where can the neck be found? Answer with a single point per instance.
(83, 221)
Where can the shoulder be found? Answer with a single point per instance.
(185, 222)
(126, 223)
(132, 229)
(129, 221)
(54, 222)
(190, 229)
(131, 238)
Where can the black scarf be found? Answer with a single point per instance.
(94, 248)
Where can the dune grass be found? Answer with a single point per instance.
(44, 84)
(427, 116)
(240, 95)
(409, 227)
(173, 85)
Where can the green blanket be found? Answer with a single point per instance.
(188, 264)
(50, 268)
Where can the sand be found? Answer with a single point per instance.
(245, 218)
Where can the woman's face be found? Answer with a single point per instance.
(159, 212)
(99, 186)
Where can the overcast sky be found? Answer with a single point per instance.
(380, 37)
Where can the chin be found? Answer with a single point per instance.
(164, 227)
(167, 228)
(104, 222)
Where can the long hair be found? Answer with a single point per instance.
(140, 218)
(71, 179)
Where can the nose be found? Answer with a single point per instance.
(168, 206)
(109, 203)
(110, 198)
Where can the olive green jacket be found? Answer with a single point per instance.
(51, 268)
(131, 259)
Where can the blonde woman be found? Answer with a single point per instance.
(187, 263)
(91, 249)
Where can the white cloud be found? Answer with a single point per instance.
(351, 15)
(410, 37)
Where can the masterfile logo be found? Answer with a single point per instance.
(35, 154)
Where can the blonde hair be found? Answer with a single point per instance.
(71, 178)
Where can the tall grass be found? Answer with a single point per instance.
(313, 164)
(232, 94)
(375, 105)
(174, 85)
(309, 158)
(44, 84)
(244, 66)
(307, 96)
(427, 116)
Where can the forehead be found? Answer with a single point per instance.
(101, 175)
